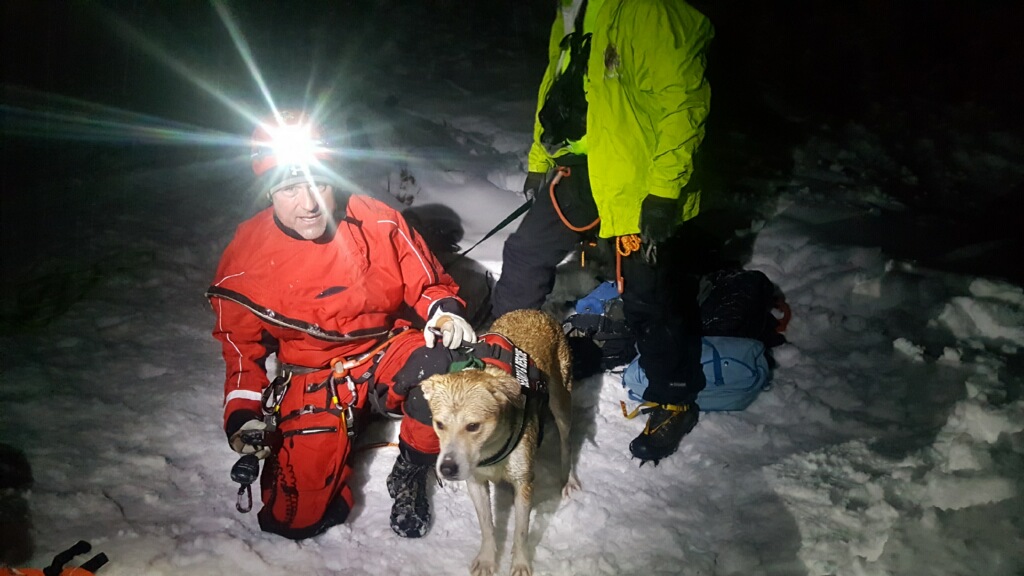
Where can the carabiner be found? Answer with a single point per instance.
(348, 418)
(340, 366)
(244, 489)
(274, 393)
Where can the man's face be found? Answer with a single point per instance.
(304, 208)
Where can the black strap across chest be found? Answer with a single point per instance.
(496, 350)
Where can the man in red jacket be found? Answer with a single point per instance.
(331, 283)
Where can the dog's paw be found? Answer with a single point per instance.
(521, 569)
(483, 566)
(572, 485)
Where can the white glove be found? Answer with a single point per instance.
(250, 428)
(453, 328)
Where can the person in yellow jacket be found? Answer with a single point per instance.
(625, 99)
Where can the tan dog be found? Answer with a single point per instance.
(480, 413)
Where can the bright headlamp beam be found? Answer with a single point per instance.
(151, 47)
(294, 146)
(244, 51)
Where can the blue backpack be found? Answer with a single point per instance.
(736, 371)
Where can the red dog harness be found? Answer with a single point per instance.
(498, 351)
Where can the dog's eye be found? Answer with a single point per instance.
(472, 427)
(439, 424)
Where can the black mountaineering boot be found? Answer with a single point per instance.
(407, 484)
(665, 428)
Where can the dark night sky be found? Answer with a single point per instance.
(75, 48)
(778, 69)
(833, 57)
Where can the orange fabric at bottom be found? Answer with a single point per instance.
(309, 472)
(305, 483)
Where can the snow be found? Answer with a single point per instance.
(891, 441)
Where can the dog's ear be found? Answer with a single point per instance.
(427, 387)
(508, 390)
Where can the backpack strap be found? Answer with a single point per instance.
(577, 24)
(716, 363)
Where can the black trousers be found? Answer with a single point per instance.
(659, 300)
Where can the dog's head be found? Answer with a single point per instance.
(471, 409)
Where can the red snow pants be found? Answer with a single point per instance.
(305, 482)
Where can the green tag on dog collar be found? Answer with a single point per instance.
(470, 362)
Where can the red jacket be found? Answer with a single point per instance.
(319, 300)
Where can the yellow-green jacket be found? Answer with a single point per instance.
(647, 99)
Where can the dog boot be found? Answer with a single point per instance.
(666, 426)
(407, 484)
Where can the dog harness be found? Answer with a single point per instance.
(498, 351)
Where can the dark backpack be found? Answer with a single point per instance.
(733, 303)
(738, 326)
(740, 303)
(564, 113)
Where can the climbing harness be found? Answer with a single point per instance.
(341, 375)
(247, 469)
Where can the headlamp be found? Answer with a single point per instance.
(289, 150)
(294, 147)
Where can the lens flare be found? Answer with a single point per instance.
(295, 145)
(38, 115)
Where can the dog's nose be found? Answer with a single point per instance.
(448, 467)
